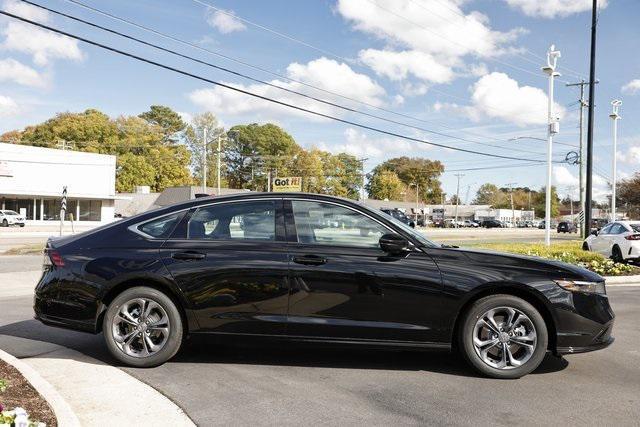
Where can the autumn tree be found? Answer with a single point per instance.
(385, 184)
(416, 170)
(194, 139)
(628, 195)
(166, 119)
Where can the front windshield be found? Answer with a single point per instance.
(407, 229)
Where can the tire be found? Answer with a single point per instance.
(5, 223)
(616, 254)
(21, 225)
(530, 329)
(585, 247)
(161, 308)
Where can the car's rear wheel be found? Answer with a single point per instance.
(616, 254)
(503, 336)
(142, 327)
(585, 246)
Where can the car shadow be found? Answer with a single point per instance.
(202, 349)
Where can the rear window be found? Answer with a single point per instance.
(161, 228)
(635, 227)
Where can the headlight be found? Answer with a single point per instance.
(580, 286)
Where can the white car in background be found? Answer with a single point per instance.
(619, 240)
(8, 218)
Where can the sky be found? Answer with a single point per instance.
(462, 74)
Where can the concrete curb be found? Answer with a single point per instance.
(622, 280)
(64, 415)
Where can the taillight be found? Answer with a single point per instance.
(54, 258)
(633, 237)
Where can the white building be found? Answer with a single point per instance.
(32, 180)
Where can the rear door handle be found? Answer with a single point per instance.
(189, 255)
(310, 260)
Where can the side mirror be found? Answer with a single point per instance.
(594, 232)
(394, 244)
(412, 224)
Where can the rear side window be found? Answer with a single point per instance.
(254, 220)
(161, 228)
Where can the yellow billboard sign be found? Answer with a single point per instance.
(292, 183)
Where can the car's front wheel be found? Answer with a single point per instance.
(503, 336)
(616, 254)
(142, 327)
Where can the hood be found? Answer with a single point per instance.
(562, 269)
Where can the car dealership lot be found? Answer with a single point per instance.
(290, 384)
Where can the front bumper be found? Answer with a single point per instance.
(584, 323)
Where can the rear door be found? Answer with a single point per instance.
(230, 261)
(343, 286)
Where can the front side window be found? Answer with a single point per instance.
(234, 221)
(328, 224)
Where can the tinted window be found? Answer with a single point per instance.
(234, 221)
(635, 227)
(162, 227)
(606, 229)
(328, 224)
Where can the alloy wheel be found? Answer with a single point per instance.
(141, 327)
(504, 338)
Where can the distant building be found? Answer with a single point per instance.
(32, 180)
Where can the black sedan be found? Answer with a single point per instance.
(316, 269)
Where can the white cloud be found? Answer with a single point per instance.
(422, 35)
(553, 8)
(563, 179)
(322, 72)
(632, 87)
(499, 96)
(43, 45)
(398, 65)
(631, 156)
(224, 21)
(14, 71)
(8, 107)
(359, 144)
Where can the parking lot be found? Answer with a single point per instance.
(283, 384)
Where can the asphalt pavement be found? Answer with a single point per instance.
(290, 384)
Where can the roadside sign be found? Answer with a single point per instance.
(292, 183)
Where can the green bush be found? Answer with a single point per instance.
(569, 252)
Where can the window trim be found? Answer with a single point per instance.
(294, 235)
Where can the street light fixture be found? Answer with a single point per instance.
(553, 128)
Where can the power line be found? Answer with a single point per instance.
(261, 69)
(352, 110)
(246, 92)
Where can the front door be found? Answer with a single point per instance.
(343, 286)
(231, 263)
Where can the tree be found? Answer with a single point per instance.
(254, 151)
(490, 194)
(168, 120)
(454, 200)
(132, 170)
(385, 185)
(193, 135)
(412, 170)
(540, 199)
(628, 195)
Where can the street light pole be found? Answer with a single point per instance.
(550, 70)
(615, 117)
(458, 175)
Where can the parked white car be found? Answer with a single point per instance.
(619, 240)
(472, 224)
(8, 218)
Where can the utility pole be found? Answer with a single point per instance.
(204, 160)
(571, 201)
(218, 161)
(458, 175)
(592, 101)
(362, 160)
(513, 212)
(417, 198)
(616, 103)
(550, 70)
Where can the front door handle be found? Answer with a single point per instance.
(310, 260)
(189, 255)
